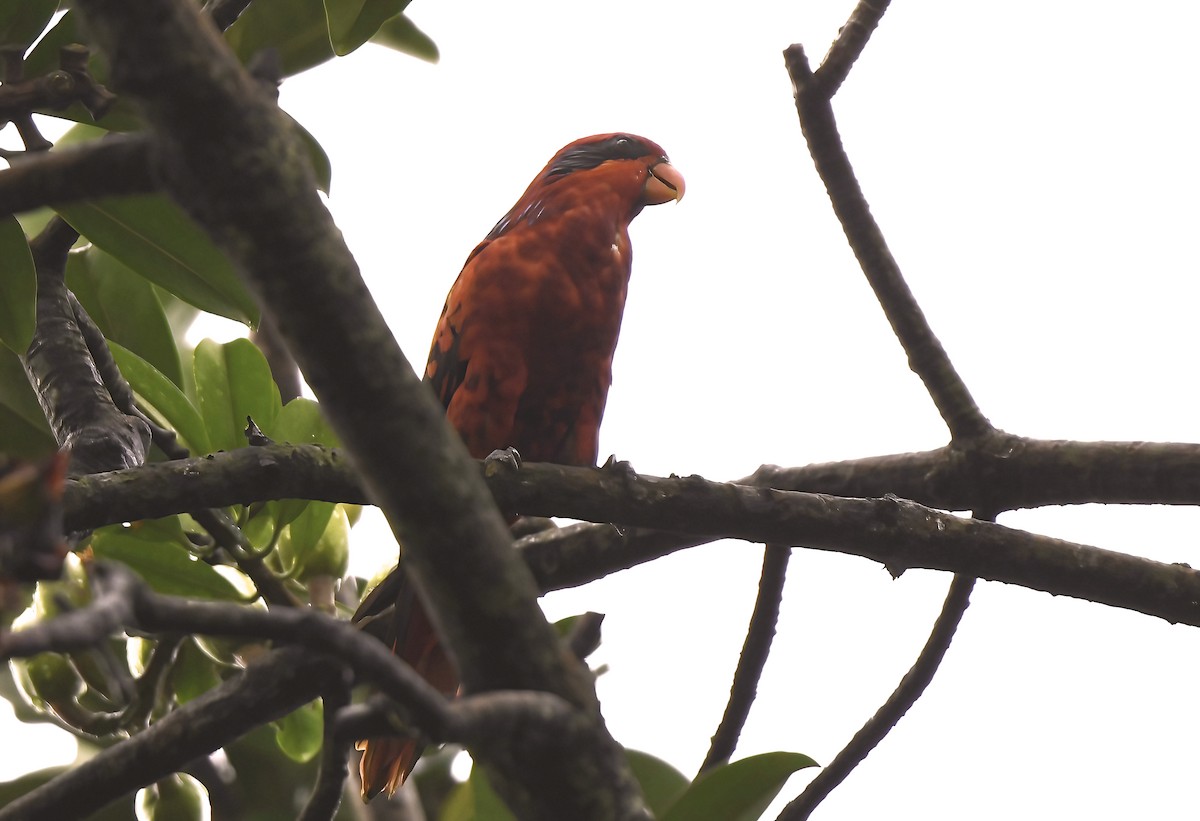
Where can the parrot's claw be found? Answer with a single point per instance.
(528, 525)
(501, 459)
(618, 467)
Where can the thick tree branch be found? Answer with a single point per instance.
(1022, 473)
(665, 515)
(59, 366)
(926, 356)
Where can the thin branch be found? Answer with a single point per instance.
(101, 168)
(906, 694)
(327, 792)
(267, 690)
(926, 356)
(851, 41)
(754, 656)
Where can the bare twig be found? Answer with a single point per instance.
(851, 41)
(100, 168)
(754, 656)
(926, 356)
(265, 691)
(331, 776)
(906, 694)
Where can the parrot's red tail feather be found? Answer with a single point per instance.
(385, 763)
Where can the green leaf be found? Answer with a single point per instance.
(305, 530)
(353, 22)
(317, 157)
(156, 239)
(233, 381)
(300, 732)
(21, 21)
(21, 439)
(475, 800)
(18, 287)
(125, 307)
(661, 783)
(193, 673)
(401, 33)
(302, 423)
(164, 398)
(15, 391)
(740, 791)
(295, 28)
(299, 423)
(168, 567)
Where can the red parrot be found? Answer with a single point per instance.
(522, 357)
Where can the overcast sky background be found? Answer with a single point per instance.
(1034, 168)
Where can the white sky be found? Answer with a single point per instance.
(1033, 166)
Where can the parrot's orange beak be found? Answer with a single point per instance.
(663, 185)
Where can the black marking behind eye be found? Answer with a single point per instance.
(590, 155)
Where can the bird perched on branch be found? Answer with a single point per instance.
(522, 357)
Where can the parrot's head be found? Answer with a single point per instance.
(628, 161)
(621, 172)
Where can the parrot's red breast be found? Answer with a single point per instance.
(522, 355)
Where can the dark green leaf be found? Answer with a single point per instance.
(21, 21)
(661, 783)
(321, 166)
(120, 810)
(233, 381)
(193, 673)
(21, 439)
(15, 391)
(18, 287)
(740, 791)
(125, 307)
(156, 239)
(299, 733)
(401, 33)
(164, 398)
(166, 566)
(353, 22)
(295, 28)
